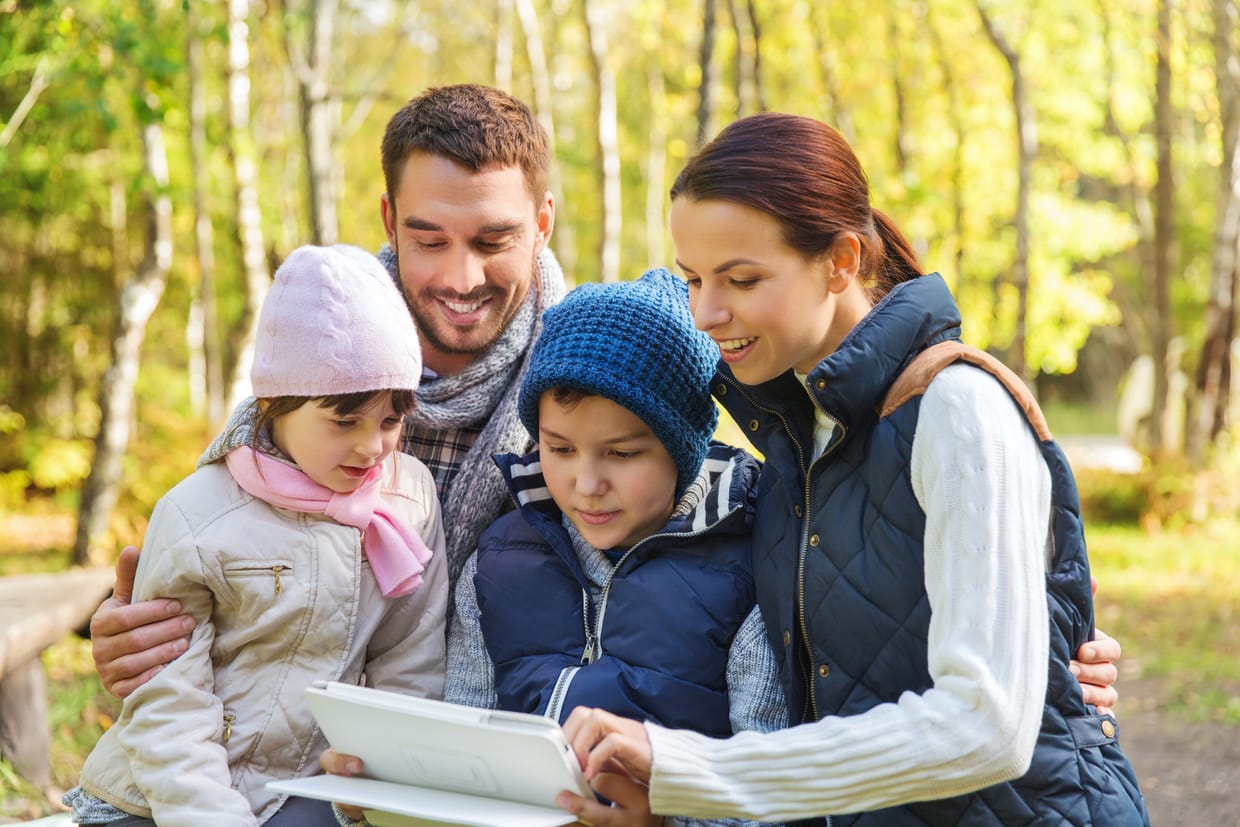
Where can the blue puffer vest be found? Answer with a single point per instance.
(847, 641)
(655, 645)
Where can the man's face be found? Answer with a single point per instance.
(466, 243)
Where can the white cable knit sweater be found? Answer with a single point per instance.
(979, 476)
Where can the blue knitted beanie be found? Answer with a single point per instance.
(635, 344)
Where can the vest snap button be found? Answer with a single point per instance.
(753, 424)
(787, 638)
(823, 670)
(1108, 728)
(721, 390)
(813, 540)
(821, 384)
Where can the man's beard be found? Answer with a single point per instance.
(428, 319)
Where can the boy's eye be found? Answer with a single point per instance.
(624, 454)
(392, 421)
(343, 423)
(423, 244)
(557, 449)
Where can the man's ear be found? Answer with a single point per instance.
(845, 259)
(387, 211)
(545, 221)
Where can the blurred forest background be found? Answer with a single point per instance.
(1070, 166)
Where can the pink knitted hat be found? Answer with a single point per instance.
(333, 323)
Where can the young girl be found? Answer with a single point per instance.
(918, 551)
(305, 549)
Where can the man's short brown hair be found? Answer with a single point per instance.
(476, 126)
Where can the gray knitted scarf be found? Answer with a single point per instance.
(484, 392)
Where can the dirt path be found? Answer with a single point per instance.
(1190, 773)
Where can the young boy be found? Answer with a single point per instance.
(623, 580)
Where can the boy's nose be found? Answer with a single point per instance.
(590, 482)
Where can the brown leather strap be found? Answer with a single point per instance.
(915, 378)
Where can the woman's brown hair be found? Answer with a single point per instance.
(804, 175)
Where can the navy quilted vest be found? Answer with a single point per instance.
(857, 640)
(665, 623)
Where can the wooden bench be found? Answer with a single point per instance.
(36, 610)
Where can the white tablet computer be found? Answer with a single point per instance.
(432, 761)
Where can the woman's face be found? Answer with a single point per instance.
(767, 307)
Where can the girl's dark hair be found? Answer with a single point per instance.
(804, 175)
(342, 404)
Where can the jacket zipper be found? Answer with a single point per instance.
(594, 636)
(277, 571)
(840, 431)
(561, 689)
(229, 717)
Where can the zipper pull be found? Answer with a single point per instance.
(591, 651)
(276, 571)
(228, 722)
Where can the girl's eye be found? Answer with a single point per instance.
(343, 423)
(744, 284)
(392, 422)
(625, 454)
(557, 449)
(693, 281)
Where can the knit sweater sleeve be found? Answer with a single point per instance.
(471, 676)
(979, 476)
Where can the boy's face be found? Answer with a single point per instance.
(606, 470)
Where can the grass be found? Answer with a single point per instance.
(1170, 597)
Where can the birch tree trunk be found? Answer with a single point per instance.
(746, 83)
(137, 300)
(656, 166)
(202, 331)
(1214, 372)
(755, 30)
(956, 172)
(562, 240)
(320, 114)
(1164, 232)
(706, 62)
(1139, 201)
(503, 45)
(840, 113)
(608, 139)
(1027, 138)
(243, 158)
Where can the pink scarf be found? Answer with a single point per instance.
(397, 555)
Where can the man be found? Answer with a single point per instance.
(467, 216)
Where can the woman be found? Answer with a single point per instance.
(919, 558)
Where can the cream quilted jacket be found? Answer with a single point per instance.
(282, 599)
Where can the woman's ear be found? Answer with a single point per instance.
(845, 259)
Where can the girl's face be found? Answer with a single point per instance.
(767, 306)
(338, 451)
